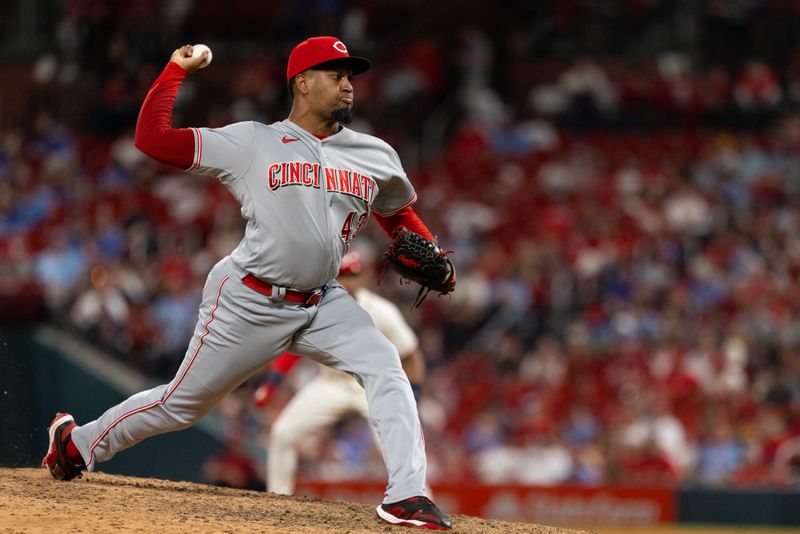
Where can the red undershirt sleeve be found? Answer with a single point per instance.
(405, 217)
(284, 363)
(155, 135)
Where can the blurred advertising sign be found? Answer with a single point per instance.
(549, 505)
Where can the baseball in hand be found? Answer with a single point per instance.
(198, 50)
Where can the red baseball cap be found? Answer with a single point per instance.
(318, 50)
(351, 264)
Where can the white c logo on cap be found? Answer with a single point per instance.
(340, 47)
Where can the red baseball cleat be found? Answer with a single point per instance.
(415, 512)
(57, 460)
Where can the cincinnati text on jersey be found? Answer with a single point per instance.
(347, 182)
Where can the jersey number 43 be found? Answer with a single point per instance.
(348, 230)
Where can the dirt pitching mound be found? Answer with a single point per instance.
(31, 501)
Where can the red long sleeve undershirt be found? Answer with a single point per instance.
(405, 217)
(155, 135)
(284, 363)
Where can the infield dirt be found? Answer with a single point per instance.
(31, 501)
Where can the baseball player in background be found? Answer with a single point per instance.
(332, 394)
(307, 186)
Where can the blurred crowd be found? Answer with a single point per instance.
(625, 228)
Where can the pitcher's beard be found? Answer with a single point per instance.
(342, 115)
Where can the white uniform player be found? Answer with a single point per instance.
(307, 186)
(333, 394)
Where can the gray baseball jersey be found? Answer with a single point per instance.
(304, 200)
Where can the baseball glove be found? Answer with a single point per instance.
(419, 260)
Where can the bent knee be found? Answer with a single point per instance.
(383, 357)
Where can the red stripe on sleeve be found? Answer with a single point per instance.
(155, 135)
(405, 217)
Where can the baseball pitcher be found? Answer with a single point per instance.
(307, 186)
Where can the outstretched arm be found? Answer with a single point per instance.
(155, 135)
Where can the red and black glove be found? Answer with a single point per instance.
(420, 260)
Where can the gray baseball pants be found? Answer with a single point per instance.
(238, 332)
